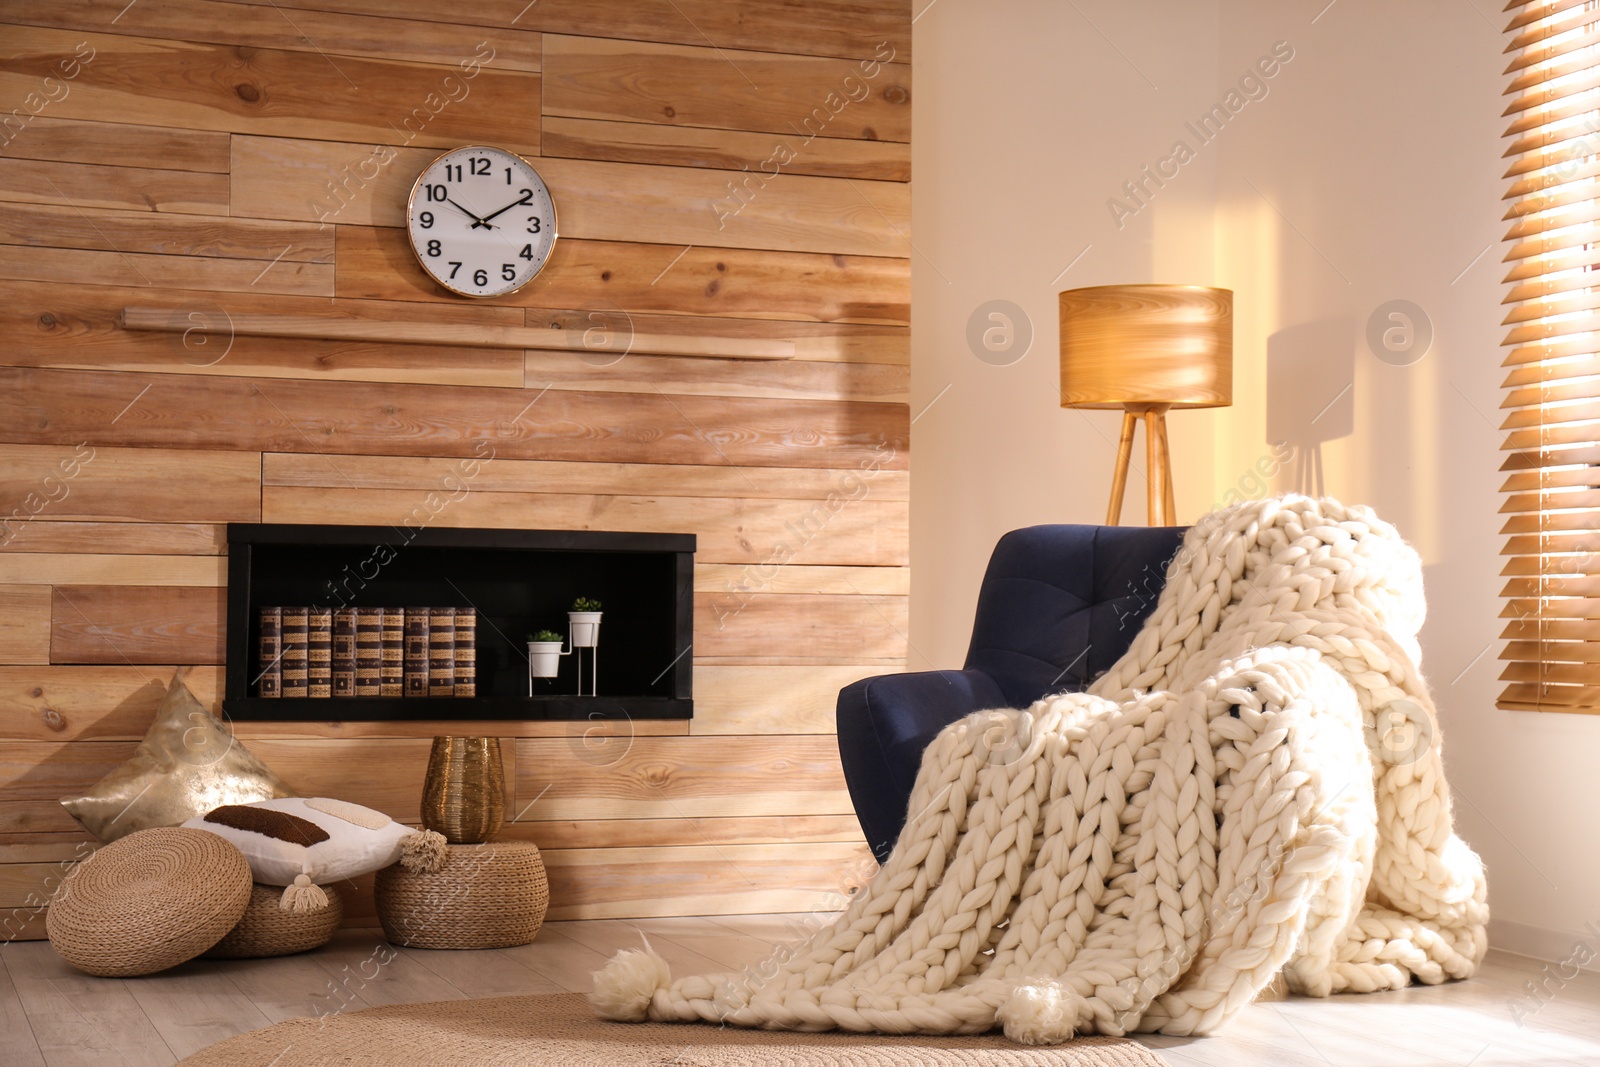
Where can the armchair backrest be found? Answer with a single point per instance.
(1060, 604)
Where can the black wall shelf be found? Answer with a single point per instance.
(519, 580)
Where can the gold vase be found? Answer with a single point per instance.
(463, 797)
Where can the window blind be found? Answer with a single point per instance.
(1552, 391)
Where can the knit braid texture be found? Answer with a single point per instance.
(1255, 788)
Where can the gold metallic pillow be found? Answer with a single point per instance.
(186, 765)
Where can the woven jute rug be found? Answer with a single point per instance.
(561, 1030)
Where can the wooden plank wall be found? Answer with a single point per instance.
(721, 171)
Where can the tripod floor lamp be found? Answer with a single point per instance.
(1145, 349)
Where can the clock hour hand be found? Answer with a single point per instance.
(476, 221)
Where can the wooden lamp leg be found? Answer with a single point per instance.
(1169, 511)
(1154, 495)
(1119, 478)
(1159, 507)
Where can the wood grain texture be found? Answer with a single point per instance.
(127, 538)
(27, 924)
(145, 147)
(73, 266)
(152, 411)
(27, 886)
(680, 777)
(790, 212)
(376, 264)
(502, 475)
(716, 579)
(778, 628)
(795, 96)
(699, 146)
(761, 533)
(324, 33)
(594, 730)
(848, 28)
(118, 703)
(104, 703)
(271, 91)
(813, 341)
(232, 161)
(38, 818)
(18, 1045)
(786, 379)
(704, 880)
(392, 770)
(45, 226)
(45, 299)
(115, 484)
(53, 852)
(771, 699)
(650, 833)
(88, 185)
(77, 327)
(324, 182)
(45, 772)
(608, 346)
(136, 624)
(280, 178)
(24, 624)
(89, 569)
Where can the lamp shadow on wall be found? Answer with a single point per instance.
(1310, 382)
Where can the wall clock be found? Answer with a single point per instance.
(481, 221)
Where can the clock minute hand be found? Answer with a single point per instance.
(476, 221)
(503, 210)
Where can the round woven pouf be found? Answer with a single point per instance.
(148, 901)
(268, 930)
(485, 896)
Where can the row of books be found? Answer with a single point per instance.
(367, 652)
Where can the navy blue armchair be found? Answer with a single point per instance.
(1058, 606)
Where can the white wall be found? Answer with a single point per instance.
(1026, 122)
(1369, 172)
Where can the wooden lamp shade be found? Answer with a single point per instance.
(1146, 348)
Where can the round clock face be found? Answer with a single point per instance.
(481, 221)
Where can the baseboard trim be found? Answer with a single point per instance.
(1542, 943)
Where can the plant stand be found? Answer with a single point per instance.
(583, 631)
(594, 668)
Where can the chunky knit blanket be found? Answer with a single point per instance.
(1255, 788)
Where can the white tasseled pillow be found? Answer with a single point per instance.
(298, 842)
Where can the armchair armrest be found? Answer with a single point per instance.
(884, 724)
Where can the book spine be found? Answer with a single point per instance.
(466, 652)
(296, 653)
(269, 653)
(344, 652)
(392, 645)
(441, 652)
(369, 650)
(319, 653)
(416, 652)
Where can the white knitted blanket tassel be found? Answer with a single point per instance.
(1255, 787)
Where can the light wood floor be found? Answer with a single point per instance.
(51, 1014)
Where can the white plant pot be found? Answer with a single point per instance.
(585, 628)
(544, 658)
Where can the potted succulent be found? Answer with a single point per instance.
(544, 655)
(584, 622)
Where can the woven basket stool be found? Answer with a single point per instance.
(268, 930)
(148, 901)
(485, 896)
